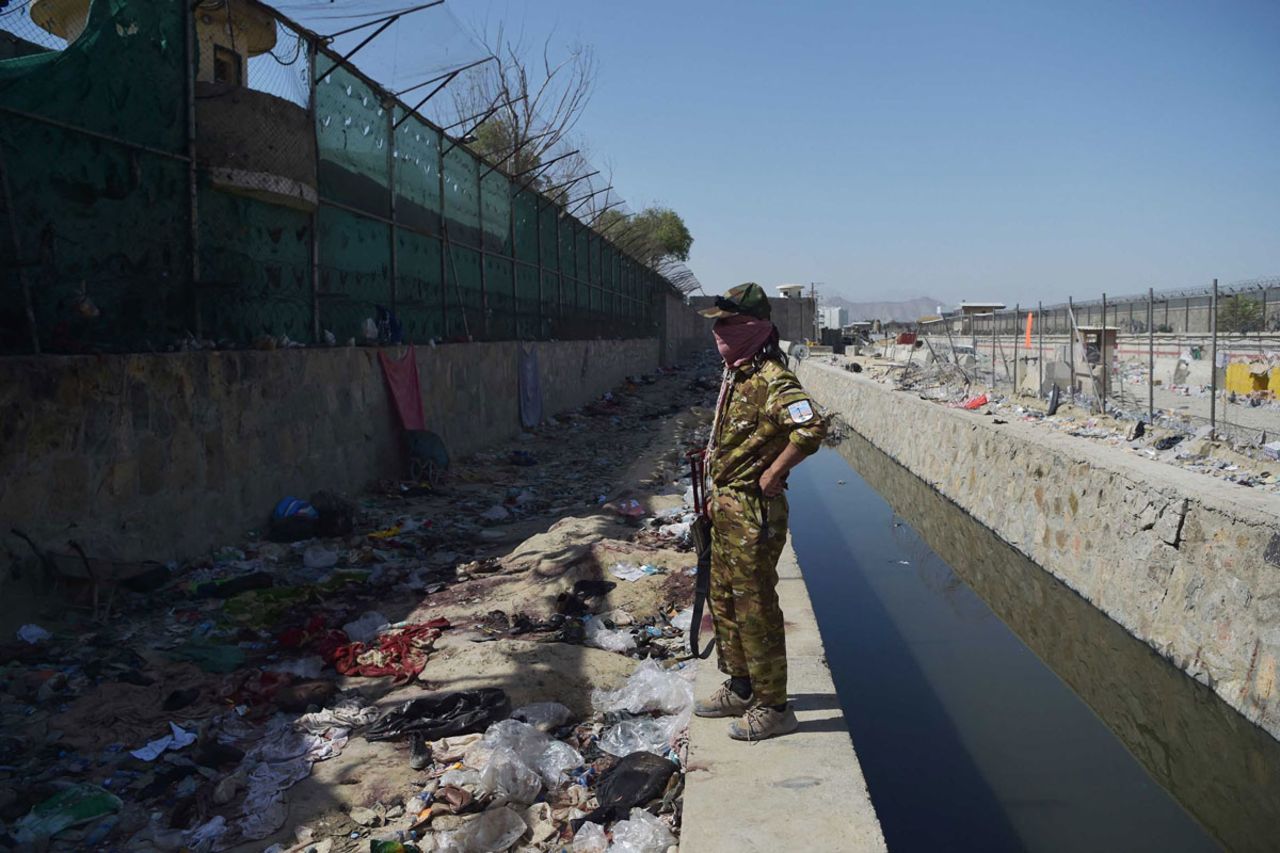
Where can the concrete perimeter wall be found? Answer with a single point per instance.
(163, 456)
(1188, 564)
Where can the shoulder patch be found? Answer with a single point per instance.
(801, 412)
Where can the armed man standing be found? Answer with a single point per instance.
(765, 424)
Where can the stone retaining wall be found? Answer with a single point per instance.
(163, 456)
(1188, 564)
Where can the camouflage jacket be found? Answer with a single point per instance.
(762, 410)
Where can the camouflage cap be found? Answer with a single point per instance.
(746, 298)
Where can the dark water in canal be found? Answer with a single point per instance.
(994, 709)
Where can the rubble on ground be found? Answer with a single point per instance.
(1169, 441)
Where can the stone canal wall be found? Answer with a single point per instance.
(1188, 564)
(163, 456)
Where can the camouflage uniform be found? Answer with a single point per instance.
(763, 408)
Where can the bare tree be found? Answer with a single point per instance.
(538, 99)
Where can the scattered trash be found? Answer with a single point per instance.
(683, 620)
(650, 688)
(366, 628)
(492, 832)
(600, 636)
(72, 806)
(590, 838)
(637, 779)
(177, 738)
(641, 833)
(319, 557)
(33, 634)
(436, 717)
(543, 716)
(630, 573)
(1168, 442)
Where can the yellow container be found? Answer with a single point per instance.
(1242, 380)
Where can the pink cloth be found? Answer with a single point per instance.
(406, 392)
(740, 337)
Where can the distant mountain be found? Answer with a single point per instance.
(905, 311)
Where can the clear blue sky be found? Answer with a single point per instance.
(1009, 149)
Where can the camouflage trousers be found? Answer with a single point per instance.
(747, 535)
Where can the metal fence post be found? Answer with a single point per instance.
(993, 350)
(1071, 347)
(1151, 355)
(1040, 346)
(1102, 356)
(1213, 367)
(1017, 312)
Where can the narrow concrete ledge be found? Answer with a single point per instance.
(804, 791)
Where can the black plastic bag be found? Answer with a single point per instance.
(449, 714)
(633, 781)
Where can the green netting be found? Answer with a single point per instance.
(495, 198)
(255, 268)
(526, 227)
(549, 237)
(417, 167)
(111, 222)
(420, 298)
(528, 302)
(500, 299)
(461, 197)
(465, 314)
(355, 271)
(351, 140)
(97, 219)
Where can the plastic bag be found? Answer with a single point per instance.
(492, 832)
(642, 734)
(543, 716)
(463, 778)
(650, 688)
(366, 628)
(441, 716)
(611, 640)
(548, 757)
(509, 779)
(683, 620)
(634, 781)
(590, 838)
(69, 807)
(642, 833)
(319, 557)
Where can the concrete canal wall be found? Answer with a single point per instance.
(1188, 564)
(162, 456)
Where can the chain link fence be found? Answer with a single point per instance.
(1198, 361)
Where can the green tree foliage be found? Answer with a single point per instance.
(655, 234)
(1238, 314)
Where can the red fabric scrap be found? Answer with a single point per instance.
(401, 652)
(406, 392)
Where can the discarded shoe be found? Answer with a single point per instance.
(723, 703)
(419, 752)
(762, 723)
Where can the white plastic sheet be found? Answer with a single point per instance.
(641, 833)
(609, 639)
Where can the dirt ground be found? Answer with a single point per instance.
(500, 550)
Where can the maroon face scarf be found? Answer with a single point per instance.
(740, 337)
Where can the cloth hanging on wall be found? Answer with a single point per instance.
(402, 381)
(530, 387)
